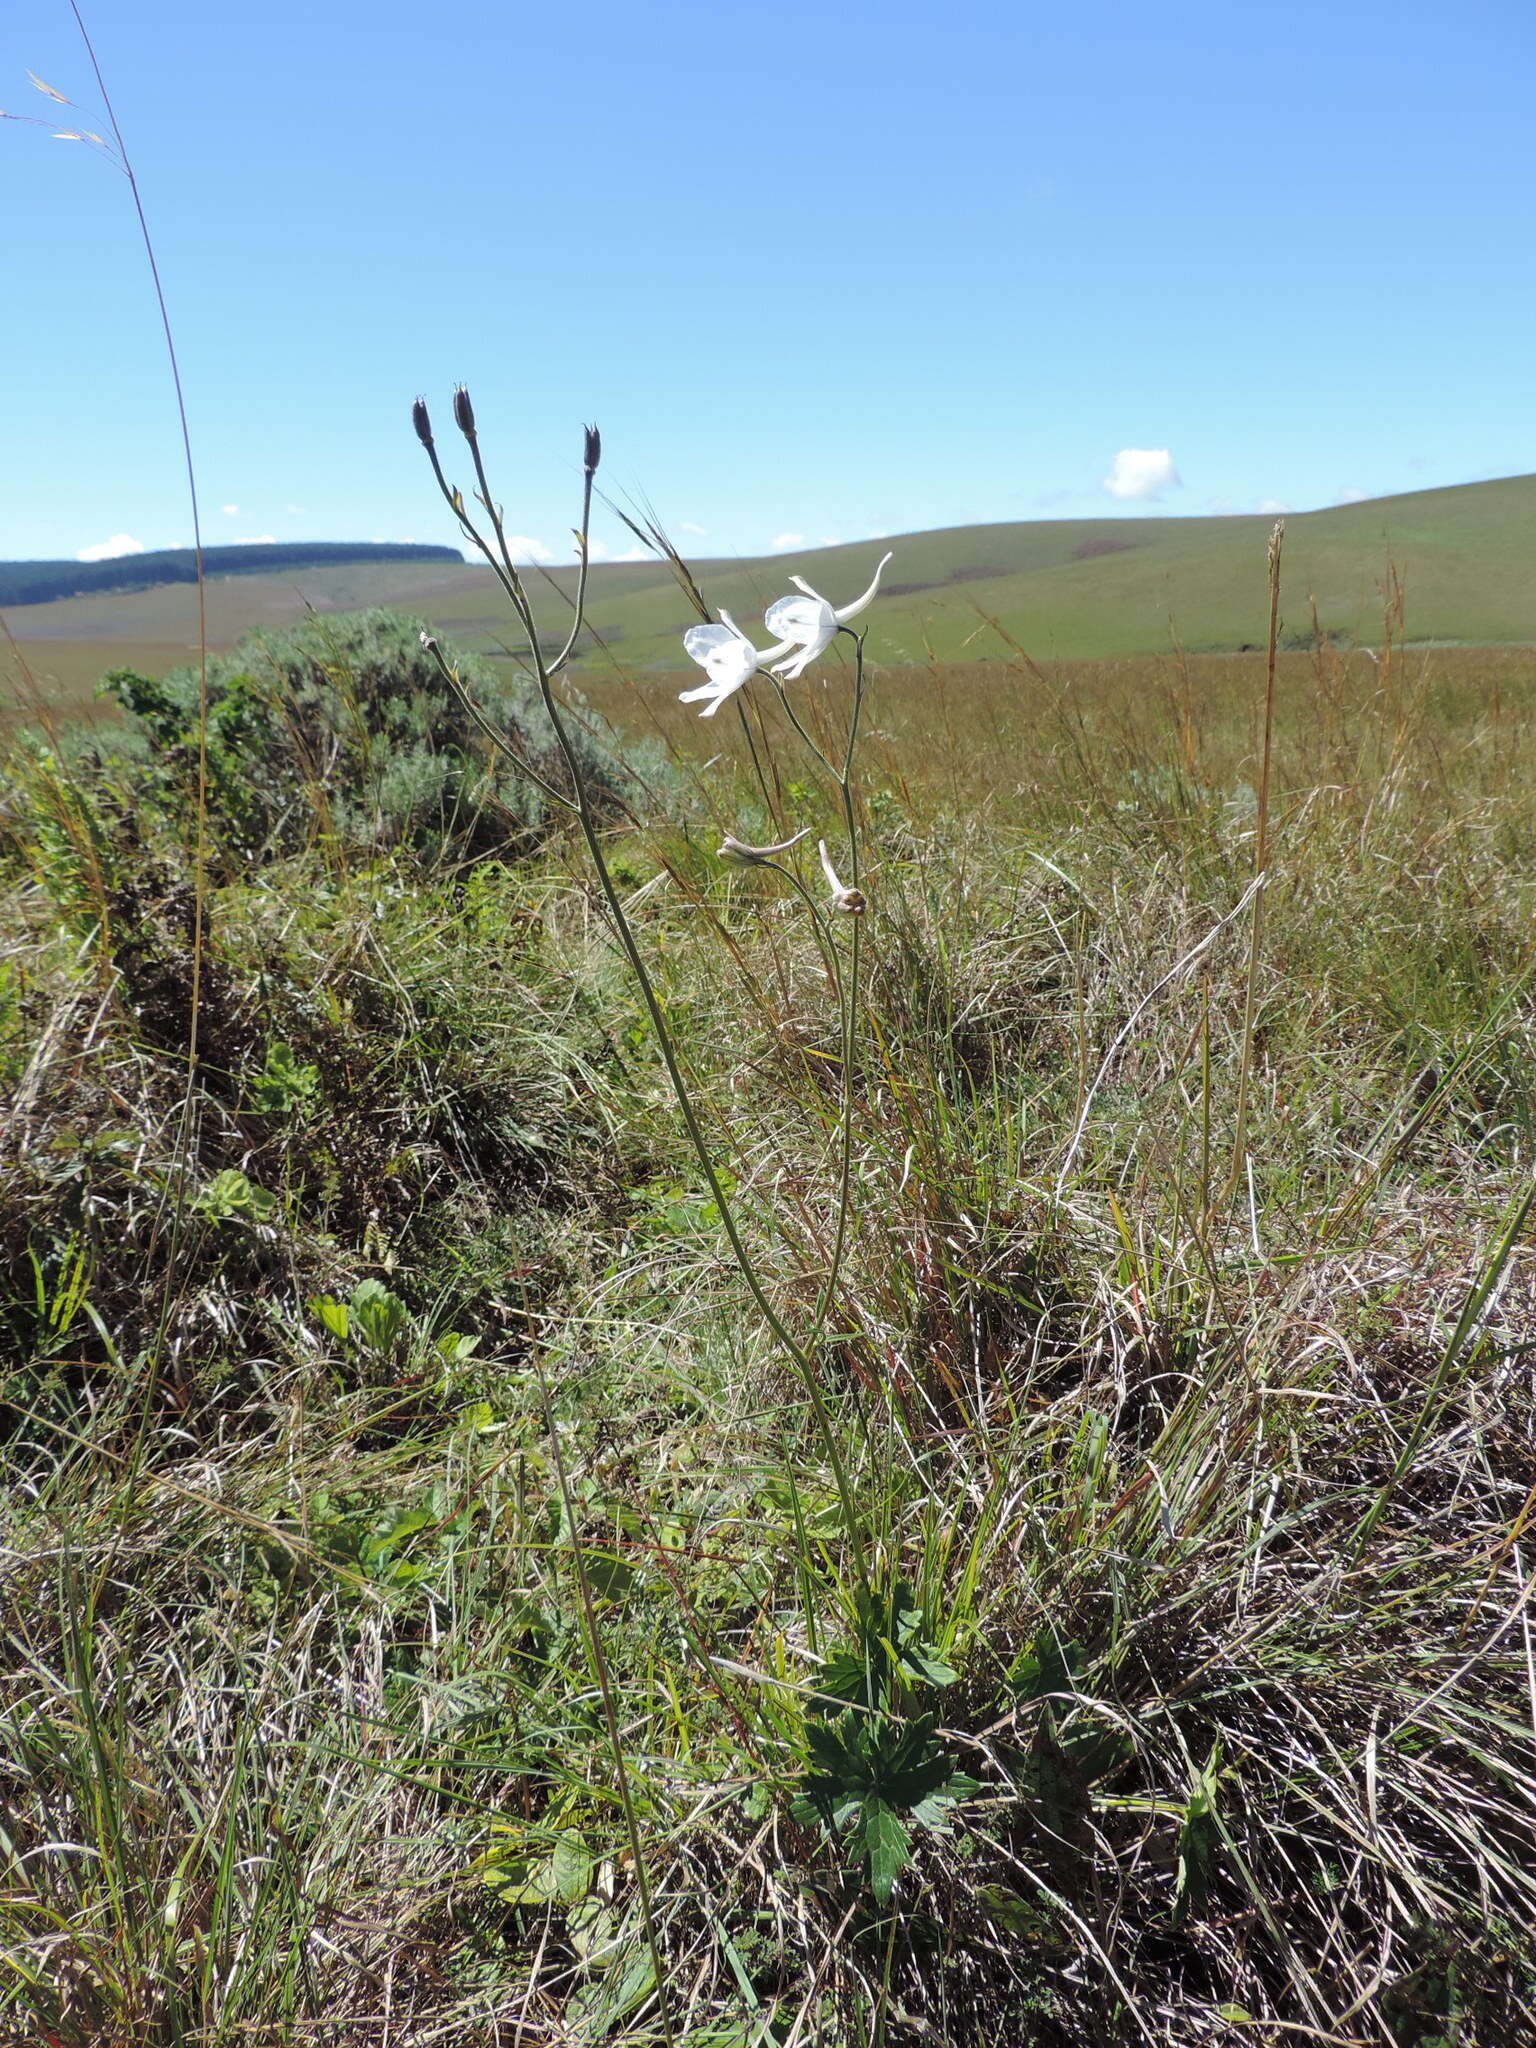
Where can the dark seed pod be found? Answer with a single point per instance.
(463, 411)
(593, 453)
(421, 421)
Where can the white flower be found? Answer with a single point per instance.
(728, 658)
(808, 623)
(851, 900)
(755, 856)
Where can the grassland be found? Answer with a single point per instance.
(1062, 588)
(440, 1610)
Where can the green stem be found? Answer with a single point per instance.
(599, 1662)
(849, 1001)
(799, 1355)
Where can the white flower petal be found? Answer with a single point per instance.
(701, 641)
(728, 658)
(799, 618)
(721, 697)
(791, 671)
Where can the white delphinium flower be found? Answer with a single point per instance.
(808, 623)
(755, 856)
(843, 898)
(728, 658)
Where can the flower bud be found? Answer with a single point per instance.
(422, 423)
(849, 900)
(463, 411)
(593, 453)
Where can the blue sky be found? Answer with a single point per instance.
(820, 273)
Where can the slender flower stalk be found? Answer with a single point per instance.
(844, 780)
(799, 1353)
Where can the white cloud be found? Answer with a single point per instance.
(109, 550)
(787, 540)
(1141, 473)
(1351, 495)
(698, 532)
(252, 540)
(599, 551)
(829, 540)
(1272, 507)
(229, 511)
(524, 547)
(294, 510)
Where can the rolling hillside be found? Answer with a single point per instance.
(47, 582)
(1095, 587)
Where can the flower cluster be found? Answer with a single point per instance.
(802, 628)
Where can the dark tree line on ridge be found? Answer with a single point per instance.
(42, 582)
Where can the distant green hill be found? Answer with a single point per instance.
(46, 582)
(1100, 587)
(1076, 587)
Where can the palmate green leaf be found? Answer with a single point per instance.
(869, 1774)
(933, 1812)
(893, 1649)
(835, 1750)
(912, 1647)
(804, 1810)
(915, 1767)
(887, 1844)
(1047, 1666)
(924, 1662)
(846, 1675)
